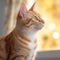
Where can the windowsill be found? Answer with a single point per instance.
(48, 55)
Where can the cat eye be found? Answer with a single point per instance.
(36, 17)
(35, 20)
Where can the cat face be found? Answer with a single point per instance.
(34, 21)
(30, 19)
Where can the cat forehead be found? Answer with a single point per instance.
(35, 16)
(33, 13)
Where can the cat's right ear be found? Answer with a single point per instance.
(22, 10)
(33, 6)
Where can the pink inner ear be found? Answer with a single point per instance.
(23, 10)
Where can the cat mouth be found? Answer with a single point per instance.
(41, 24)
(38, 26)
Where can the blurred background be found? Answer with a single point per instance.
(49, 37)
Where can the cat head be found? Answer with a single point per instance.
(30, 19)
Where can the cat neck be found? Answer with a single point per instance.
(26, 32)
(29, 34)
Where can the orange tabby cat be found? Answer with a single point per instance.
(20, 43)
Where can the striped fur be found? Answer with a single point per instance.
(22, 44)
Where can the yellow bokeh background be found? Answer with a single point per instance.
(49, 37)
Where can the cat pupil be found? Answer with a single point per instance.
(36, 18)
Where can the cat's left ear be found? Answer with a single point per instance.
(22, 10)
(33, 6)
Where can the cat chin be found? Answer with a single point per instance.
(38, 28)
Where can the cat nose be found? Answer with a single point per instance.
(41, 21)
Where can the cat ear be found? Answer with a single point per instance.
(23, 10)
(32, 8)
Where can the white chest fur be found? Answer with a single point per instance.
(32, 44)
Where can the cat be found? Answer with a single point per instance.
(21, 43)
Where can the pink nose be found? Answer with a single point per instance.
(42, 21)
